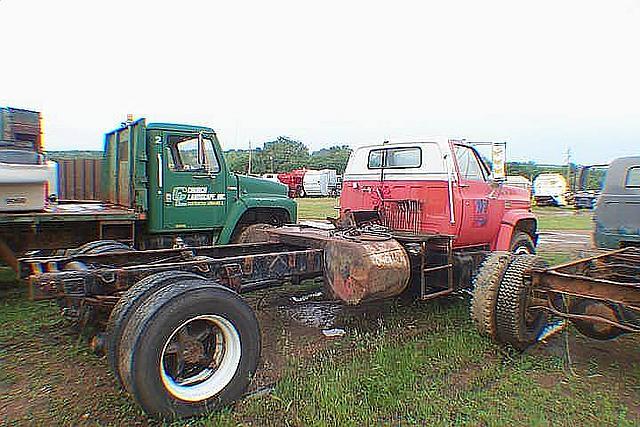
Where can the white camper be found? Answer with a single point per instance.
(519, 181)
(321, 182)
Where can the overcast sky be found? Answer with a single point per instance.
(542, 75)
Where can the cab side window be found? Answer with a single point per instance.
(375, 159)
(185, 155)
(469, 165)
(633, 177)
(410, 157)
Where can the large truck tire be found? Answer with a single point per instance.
(129, 303)
(485, 292)
(515, 324)
(189, 348)
(100, 247)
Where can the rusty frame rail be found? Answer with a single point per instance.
(243, 268)
(611, 278)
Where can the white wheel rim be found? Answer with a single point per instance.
(522, 250)
(210, 380)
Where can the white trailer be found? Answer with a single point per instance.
(320, 183)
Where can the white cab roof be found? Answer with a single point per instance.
(432, 162)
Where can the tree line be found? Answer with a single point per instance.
(284, 155)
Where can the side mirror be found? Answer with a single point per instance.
(499, 167)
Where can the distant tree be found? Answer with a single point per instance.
(237, 160)
(283, 155)
(335, 157)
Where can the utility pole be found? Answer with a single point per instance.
(568, 162)
(250, 155)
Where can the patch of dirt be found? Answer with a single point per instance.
(613, 364)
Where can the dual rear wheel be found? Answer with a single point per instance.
(181, 344)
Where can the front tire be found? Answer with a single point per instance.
(190, 348)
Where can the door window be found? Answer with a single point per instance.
(469, 165)
(186, 155)
(633, 177)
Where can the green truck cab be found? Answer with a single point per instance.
(178, 177)
(162, 184)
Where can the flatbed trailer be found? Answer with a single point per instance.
(66, 224)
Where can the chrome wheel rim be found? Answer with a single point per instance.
(200, 357)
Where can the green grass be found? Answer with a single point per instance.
(563, 219)
(419, 363)
(445, 375)
(317, 208)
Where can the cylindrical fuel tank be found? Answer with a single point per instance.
(355, 268)
(365, 270)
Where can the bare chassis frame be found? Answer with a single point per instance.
(611, 277)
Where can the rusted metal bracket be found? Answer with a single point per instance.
(231, 276)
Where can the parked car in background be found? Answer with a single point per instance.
(294, 181)
(589, 183)
(271, 177)
(617, 211)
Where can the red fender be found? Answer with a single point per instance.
(508, 225)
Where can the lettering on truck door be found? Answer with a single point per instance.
(194, 184)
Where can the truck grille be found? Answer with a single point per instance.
(401, 215)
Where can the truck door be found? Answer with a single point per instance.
(481, 207)
(194, 184)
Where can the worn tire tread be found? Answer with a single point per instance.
(512, 294)
(485, 291)
(137, 330)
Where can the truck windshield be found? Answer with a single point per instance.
(184, 156)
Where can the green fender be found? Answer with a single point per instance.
(242, 205)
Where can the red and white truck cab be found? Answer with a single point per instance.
(442, 187)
